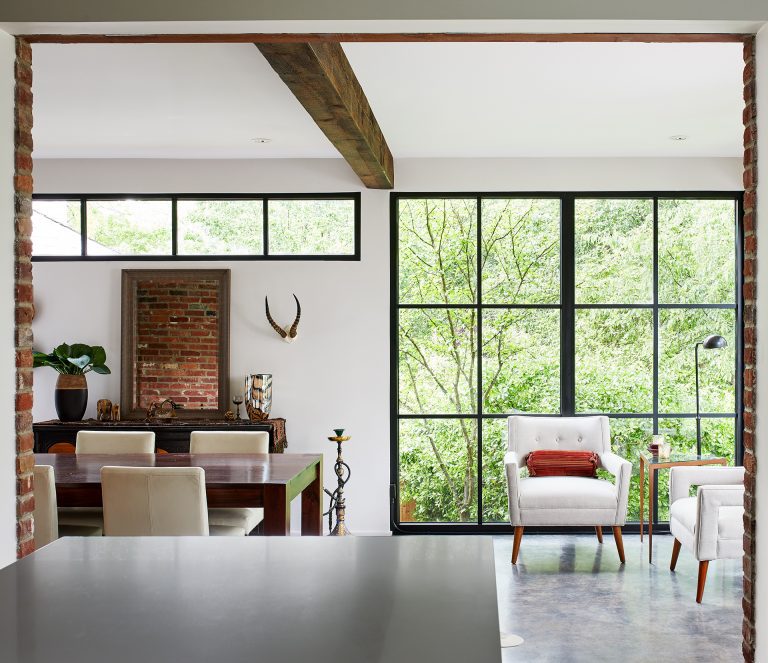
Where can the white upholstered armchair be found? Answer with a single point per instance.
(565, 500)
(710, 524)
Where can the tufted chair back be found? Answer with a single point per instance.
(528, 434)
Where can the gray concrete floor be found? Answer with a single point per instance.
(572, 601)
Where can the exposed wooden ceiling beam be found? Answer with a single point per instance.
(469, 37)
(321, 78)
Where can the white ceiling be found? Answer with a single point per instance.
(166, 101)
(431, 100)
(573, 100)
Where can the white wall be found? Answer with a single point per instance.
(337, 372)
(7, 356)
(761, 420)
(276, 175)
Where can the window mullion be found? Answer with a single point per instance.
(479, 322)
(567, 301)
(83, 226)
(265, 226)
(655, 315)
(174, 226)
(655, 505)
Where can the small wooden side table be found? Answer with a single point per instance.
(653, 464)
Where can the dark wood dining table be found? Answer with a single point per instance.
(270, 481)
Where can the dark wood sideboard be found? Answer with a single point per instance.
(170, 436)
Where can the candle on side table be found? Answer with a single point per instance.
(656, 445)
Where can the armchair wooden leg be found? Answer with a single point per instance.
(703, 567)
(599, 531)
(675, 554)
(619, 543)
(516, 543)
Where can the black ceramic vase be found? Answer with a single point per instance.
(71, 397)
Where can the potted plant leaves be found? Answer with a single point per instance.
(72, 362)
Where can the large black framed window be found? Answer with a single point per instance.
(90, 227)
(547, 304)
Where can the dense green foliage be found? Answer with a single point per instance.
(519, 265)
(220, 227)
(236, 227)
(311, 227)
(131, 227)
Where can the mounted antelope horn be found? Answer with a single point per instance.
(271, 320)
(289, 335)
(295, 326)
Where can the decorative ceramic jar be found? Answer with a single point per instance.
(258, 396)
(71, 397)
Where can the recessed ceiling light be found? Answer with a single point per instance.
(261, 140)
(678, 137)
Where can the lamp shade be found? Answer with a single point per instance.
(713, 342)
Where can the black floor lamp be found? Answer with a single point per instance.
(710, 343)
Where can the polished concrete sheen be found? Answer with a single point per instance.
(252, 600)
(572, 601)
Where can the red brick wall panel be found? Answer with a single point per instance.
(24, 297)
(177, 343)
(750, 346)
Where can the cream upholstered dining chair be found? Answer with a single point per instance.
(565, 501)
(711, 524)
(231, 442)
(115, 442)
(45, 516)
(104, 442)
(156, 501)
(228, 442)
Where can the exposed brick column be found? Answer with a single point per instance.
(25, 460)
(750, 345)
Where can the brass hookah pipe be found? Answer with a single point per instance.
(337, 501)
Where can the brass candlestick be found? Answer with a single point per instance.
(337, 496)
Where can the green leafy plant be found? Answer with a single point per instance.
(75, 359)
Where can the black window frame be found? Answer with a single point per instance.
(173, 198)
(567, 307)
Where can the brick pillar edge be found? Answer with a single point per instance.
(750, 345)
(25, 460)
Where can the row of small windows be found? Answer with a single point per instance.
(71, 227)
